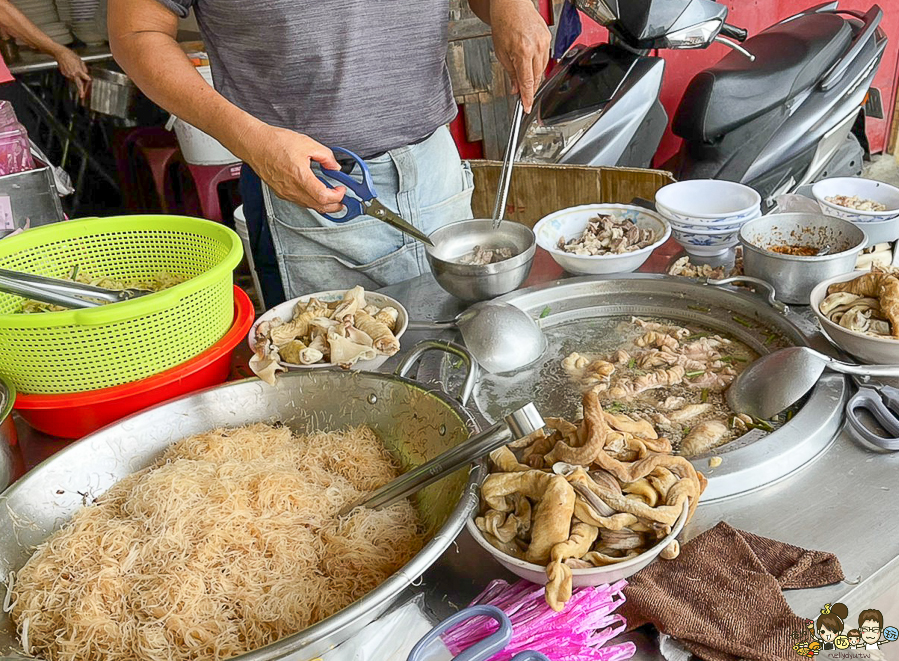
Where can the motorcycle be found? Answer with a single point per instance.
(779, 112)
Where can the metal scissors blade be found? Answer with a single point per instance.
(367, 202)
(382, 213)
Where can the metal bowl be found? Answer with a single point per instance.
(7, 430)
(473, 283)
(415, 423)
(581, 577)
(792, 276)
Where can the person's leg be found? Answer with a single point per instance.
(425, 183)
(260, 238)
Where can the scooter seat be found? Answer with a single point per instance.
(790, 57)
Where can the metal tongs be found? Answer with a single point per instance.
(505, 177)
(65, 293)
(523, 422)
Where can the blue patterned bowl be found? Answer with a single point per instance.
(866, 189)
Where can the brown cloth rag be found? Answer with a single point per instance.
(721, 597)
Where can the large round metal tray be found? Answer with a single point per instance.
(414, 422)
(750, 462)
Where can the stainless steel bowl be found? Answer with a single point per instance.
(479, 283)
(794, 277)
(415, 423)
(7, 431)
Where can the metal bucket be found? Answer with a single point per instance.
(33, 200)
(415, 423)
(112, 93)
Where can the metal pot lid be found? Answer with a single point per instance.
(7, 398)
(575, 314)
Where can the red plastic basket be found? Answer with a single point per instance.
(77, 414)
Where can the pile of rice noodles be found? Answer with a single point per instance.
(228, 543)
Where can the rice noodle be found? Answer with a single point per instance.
(228, 543)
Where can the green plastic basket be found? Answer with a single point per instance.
(79, 350)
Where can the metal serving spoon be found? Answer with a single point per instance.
(778, 380)
(500, 336)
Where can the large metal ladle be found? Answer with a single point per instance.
(500, 336)
(778, 380)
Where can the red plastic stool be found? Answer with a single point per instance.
(124, 145)
(206, 180)
(160, 152)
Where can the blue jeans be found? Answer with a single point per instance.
(426, 183)
(260, 238)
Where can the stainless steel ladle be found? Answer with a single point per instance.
(778, 380)
(500, 336)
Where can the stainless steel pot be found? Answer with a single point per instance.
(7, 430)
(794, 277)
(415, 423)
(112, 93)
(473, 283)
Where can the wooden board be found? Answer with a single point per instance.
(538, 190)
(480, 84)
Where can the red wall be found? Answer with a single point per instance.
(755, 15)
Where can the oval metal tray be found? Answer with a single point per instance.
(749, 462)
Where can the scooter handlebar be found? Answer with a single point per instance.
(732, 31)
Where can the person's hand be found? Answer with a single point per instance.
(283, 160)
(72, 67)
(521, 42)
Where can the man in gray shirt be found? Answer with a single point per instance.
(292, 76)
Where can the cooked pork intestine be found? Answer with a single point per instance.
(703, 437)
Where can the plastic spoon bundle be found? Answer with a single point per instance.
(578, 633)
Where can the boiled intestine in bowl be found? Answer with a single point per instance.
(590, 494)
(867, 304)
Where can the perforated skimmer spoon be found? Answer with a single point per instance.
(778, 380)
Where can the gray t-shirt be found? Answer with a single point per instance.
(366, 75)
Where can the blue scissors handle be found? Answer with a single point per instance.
(883, 405)
(364, 190)
(483, 649)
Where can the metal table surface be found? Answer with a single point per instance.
(843, 502)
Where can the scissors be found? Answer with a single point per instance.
(882, 403)
(483, 649)
(367, 202)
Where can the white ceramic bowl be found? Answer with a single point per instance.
(570, 223)
(708, 244)
(702, 227)
(285, 313)
(580, 577)
(866, 189)
(867, 349)
(712, 200)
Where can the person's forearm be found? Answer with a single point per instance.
(481, 8)
(20, 27)
(170, 80)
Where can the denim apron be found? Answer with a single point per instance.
(426, 183)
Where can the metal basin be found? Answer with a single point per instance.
(415, 423)
(7, 430)
(470, 282)
(578, 314)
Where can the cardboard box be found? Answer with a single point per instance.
(538, 190)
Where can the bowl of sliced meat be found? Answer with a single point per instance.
(599, 239)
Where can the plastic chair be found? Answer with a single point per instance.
(160, 152)
(124, 145)
(206, 180)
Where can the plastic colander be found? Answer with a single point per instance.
(79, 350)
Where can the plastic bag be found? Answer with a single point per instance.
(389, 638)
